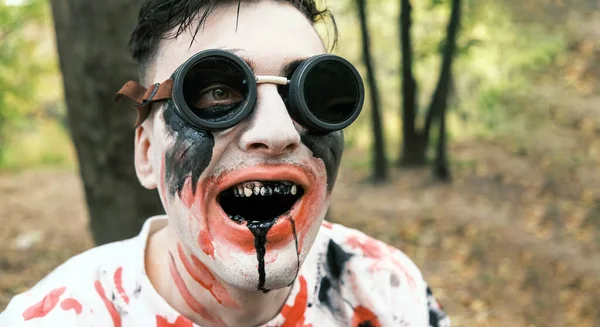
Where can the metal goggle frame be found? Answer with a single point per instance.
(325, 93)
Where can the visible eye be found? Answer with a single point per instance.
(217, 95)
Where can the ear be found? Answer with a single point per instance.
(144, 167)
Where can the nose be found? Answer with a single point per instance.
(270, 129)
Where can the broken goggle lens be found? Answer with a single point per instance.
(215, 89)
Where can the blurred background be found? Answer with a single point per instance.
(477, 153)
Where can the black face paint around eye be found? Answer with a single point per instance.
(329, 148)
(190, 154)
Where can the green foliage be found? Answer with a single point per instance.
(497, 60)
(30, 83)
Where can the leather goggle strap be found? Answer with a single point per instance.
(144, 98)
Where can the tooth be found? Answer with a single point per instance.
(247, 192)
(235, 192)
(293, 190)
(263, 191)
(278, 190)
(240, 190)
(256, 190)
(270, 190)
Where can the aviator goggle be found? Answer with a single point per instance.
(216, 89)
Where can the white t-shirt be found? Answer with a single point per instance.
(348, 279)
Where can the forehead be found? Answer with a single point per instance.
(269, 33)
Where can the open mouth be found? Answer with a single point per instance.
(259, 201)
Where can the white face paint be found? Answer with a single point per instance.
(266, 146)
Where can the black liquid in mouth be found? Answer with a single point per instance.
(260, 229)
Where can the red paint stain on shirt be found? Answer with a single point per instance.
(372, 249)
(180, 322)
(42, 308)
(364, 317)
(118, 277)
(71, 303)
(188, 298)
(205, 242)
(294, 315)
(202, 275)
(369, 247)
(116, 317)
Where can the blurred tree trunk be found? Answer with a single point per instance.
(92, 39)
(439, 103)
(412, 152)
(379, 157)
(414, 148)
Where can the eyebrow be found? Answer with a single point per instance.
(287, 70)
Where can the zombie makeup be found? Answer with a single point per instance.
(329, 148)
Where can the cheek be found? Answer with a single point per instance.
(329, 149)
(188, 154)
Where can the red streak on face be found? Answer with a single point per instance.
(188, 297)
(46, 305)
(327, 224)
(294, 315)
(116, 318)
(202, 275)
(118, 277)
(363, 315)
(71, 303)
(187, 194)
(205, 242)
(180, 322)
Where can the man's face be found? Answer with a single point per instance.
(209, 182)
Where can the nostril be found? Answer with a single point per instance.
(258, 146)
(291, 147)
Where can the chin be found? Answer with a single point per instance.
(241, 271)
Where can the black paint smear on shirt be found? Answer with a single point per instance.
(190, 153)
(260, 230)
(336, 259)
(329, 148)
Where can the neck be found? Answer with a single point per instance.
(196, 292)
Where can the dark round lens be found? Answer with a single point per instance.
(331, 92)
(214, 88)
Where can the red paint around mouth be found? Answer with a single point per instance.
(238, 235)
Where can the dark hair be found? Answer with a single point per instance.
(158, 17)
